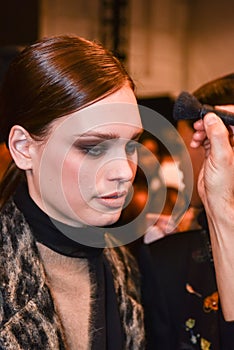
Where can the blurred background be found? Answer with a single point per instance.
(167, 45)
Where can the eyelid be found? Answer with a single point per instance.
(98, 147)
(134, 144)
(88, 142)
(95, 150)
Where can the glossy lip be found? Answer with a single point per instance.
(113, 200)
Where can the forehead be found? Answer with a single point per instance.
(121, 119)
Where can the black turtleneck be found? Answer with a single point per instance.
(50, 235)
(107, 318)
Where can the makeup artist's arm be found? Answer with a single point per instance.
(216, 188)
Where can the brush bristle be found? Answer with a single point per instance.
(186, 107)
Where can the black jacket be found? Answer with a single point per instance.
(185, 312)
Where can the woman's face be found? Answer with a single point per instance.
(82, 173)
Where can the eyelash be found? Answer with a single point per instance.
(95, 150)
(132, 147)
(99, 150)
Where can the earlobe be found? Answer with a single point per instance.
(19, 146)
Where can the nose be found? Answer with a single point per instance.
(122, 170)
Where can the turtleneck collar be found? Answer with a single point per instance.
(49, 234)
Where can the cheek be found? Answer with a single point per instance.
(78, 179)
(70, 177)
(70, 169)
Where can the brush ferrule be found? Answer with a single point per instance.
(206, 109)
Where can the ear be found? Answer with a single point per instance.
(19, 146)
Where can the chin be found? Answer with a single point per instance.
(108, 220)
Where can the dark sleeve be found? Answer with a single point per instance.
(158, 324)
(164, 266)
(158, 317)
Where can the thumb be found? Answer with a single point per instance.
(218, 136)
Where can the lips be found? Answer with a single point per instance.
(113, 200)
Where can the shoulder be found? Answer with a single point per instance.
(14, 229)
(18, 252)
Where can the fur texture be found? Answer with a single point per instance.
(131, 311)
(28, 318)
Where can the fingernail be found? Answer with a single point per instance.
(211, 119)
(193, 144)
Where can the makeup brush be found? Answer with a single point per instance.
(188, 107)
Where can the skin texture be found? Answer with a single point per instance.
(196, 155)
(81, 173)
(216, 188)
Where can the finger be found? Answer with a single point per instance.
(199, 125)
(199, 136)
(218, 136)
(198, 139)
(195, 144)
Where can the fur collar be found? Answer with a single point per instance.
(25, 298)
(27, 316)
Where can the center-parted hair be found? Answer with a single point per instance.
(52, 78)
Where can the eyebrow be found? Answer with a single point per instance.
(109, 136)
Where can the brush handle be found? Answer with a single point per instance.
(188, 107)
(227, 117)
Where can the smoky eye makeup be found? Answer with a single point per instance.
(132, 147)
(96, 146)
(92, 148)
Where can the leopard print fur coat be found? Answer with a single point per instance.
(27, 314)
